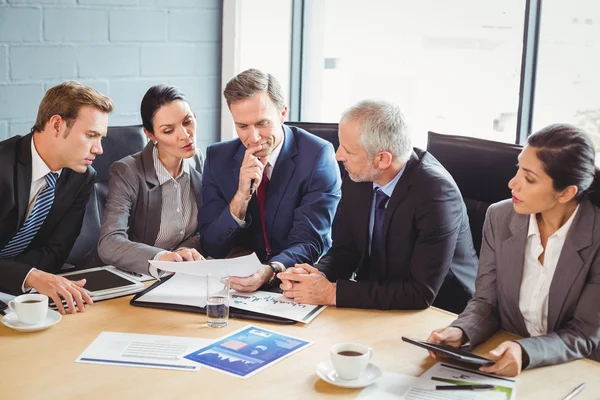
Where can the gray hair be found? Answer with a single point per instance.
(253, 81)
(382, 128)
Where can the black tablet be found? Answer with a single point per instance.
(451, 352)
(104, 281)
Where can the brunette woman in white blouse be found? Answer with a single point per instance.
(153, 197)
(539, 269)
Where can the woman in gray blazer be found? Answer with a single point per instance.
(153, 196)
(539, 269)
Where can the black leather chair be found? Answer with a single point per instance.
(120, 142)
(324, 130)
(481, 169)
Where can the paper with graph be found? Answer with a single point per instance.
(247, 351)
(274, 304)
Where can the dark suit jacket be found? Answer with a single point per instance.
(304, 192)
(51, 245)
(428, 243)
(574, 299)
(131, 219)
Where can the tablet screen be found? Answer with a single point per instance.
(100, 280)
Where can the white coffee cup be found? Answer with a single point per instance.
(31, 309)
(350, 359)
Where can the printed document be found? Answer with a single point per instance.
(247, 351)
(239, 266)
(146, 351)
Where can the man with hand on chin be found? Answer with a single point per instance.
(45, 183)
(274, 191)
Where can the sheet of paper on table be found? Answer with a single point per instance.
(444, 374)
(145, 351)
(239, 266)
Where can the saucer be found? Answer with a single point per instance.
(326, 372)
(13, 322)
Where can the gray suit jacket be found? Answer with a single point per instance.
(131, 219)
(574, 299)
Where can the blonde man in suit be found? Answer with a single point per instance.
(539, 269)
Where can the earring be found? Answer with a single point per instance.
(155, 142)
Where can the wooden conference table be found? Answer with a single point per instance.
(41, 365)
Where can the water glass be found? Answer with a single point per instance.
(217, 301)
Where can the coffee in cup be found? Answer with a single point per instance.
(31, 309)
(350, 359)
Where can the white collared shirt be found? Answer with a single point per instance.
(39, 170)
(537, 277)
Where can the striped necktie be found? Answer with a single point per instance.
(41, 207)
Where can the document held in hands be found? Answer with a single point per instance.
(239, 266)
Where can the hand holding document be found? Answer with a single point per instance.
(240, 266)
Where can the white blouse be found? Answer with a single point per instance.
(537, 277)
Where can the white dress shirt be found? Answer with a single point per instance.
(537, 277)
(39, 170)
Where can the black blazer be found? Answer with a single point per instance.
(428, 243)
(51, 245)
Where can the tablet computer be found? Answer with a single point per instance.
(104, 281)
(451, 352)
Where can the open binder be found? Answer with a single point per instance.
(233, 312)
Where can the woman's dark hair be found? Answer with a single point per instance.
(156, 97)
(568, 156)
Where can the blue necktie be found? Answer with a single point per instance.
(376, 260)
(40, 210)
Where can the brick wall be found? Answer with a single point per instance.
(119, 47)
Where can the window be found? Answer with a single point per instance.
(452, 66)
(568, 81)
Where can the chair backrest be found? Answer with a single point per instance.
(120, 142)
(481, 169)
(324, 130)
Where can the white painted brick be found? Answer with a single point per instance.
(125, 119)
(207, 125)
(36, 2)
(127, 94)
(203, 4)
(194, 26)
(75, 25)
(40, 62)
(181, 60)
(99, 85)
(20, 127)
(108, 61)
(3, 130)
(20, 24)
(108, 2)
(20, 101)
(202, 92)
(3, 63)
(138, 25)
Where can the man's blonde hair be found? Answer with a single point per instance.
(66, 99)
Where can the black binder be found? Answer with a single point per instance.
(233, 312)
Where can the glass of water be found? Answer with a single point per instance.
(217, 301)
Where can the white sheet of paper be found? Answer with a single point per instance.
(275, 304)
(390, 386)
(239, 266)
(444, 374)
(189, 290)
(145, 351)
